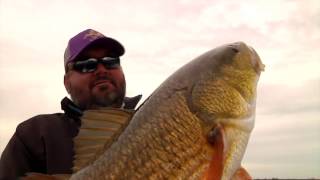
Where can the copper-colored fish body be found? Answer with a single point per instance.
(196, 125)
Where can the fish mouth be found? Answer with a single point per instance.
(256, 61)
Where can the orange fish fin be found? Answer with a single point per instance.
(241, 174)
(216, 140)
(39, 176)
(99, 129)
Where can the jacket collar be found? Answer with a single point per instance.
(73, 111)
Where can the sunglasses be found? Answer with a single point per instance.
(91, 64)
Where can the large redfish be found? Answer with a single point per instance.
(196, 125)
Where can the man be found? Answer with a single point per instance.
(93, 78)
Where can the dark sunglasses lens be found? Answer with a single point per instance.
(86, 66)
(90, 65)
(111, 63)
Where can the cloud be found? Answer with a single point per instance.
(289, 99)
(276, 170)
(7, 131)
(286, 132)
(280, 143)
(161, 36)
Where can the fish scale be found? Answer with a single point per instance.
(167, 138)
(177, 146)
(156, 143)
(191, 131)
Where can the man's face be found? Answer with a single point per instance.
(100, 88)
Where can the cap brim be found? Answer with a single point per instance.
(113, 45)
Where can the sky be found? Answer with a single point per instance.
(160, 37)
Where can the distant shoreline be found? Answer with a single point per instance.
(285, 179)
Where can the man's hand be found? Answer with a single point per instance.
(39, 176)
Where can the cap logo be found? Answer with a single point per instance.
(92, 35)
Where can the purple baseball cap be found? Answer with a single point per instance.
(90, 37)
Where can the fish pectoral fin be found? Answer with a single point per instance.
(99, 129)
(216, 141)
(39, 176)
(241, 174)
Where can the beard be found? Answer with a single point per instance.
(102, 96)
(102, 91)
(106, 98)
